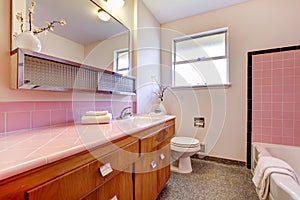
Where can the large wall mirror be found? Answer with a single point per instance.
(84, 39)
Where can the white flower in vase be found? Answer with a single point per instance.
(27, 38)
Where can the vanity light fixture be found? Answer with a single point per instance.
(103, 15)
(115, 4)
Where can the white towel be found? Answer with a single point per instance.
(102, 119)
(265, 167)
(96, 113)
(262, 151)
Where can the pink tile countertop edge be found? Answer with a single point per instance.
(25, 150)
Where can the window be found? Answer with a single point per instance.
(121, 64)
(201, 59)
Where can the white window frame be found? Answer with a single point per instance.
(195, 36)
(116, 61)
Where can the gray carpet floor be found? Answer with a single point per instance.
(211, 181)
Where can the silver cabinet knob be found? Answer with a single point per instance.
(114, 198)
(105, 169)
(162, 156)
(153, 164)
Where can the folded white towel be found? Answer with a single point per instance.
(267, 165)
(102, 119)
(96, 113)
(262, 151)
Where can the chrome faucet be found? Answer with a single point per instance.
(125, 113)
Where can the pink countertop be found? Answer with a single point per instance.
(24, 150)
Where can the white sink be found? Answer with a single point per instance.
(137, 121)
(141, 120)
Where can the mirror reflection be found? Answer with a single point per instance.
(84, 38)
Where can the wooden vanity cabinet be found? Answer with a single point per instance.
(152, 170)
(134, 167)
(77, 176)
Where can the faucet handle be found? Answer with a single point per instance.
(126, 108)
(125, 113)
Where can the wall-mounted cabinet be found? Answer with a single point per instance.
(36, 71)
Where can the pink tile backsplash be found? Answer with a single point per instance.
(70, 116)
(2, 122)
(17, 121)
(40, 118)
(16, 106)
(58, 117)
(276, 97)
(16, 116)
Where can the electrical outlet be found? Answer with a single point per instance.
(199, 122)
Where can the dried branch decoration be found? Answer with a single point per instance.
(29, 18)
(161, 91)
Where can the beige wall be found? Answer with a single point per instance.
(148, 57)
(258, 24)
(7, 94)
(61, 47)
(105, 49)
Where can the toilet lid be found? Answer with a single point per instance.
(185, 142)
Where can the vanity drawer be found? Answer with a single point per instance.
(154, 160)
(163, 174)
(72, 185)
(106, 167)
(118, 188)
(150, 142)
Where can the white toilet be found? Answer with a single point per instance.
(183, 148)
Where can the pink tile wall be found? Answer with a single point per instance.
(26, 115)
(276, 98)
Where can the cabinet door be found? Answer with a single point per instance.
(106, 167)
(146, 177)
(72, 185)
(118, 188)
(163, 173)
(152, 171)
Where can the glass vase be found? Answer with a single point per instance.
(27, 40)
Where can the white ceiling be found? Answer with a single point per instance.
(170, 10)
(83, 25)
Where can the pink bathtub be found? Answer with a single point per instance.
(282, 187)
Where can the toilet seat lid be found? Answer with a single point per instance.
(185, 142)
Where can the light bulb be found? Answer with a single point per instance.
(103, 15)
